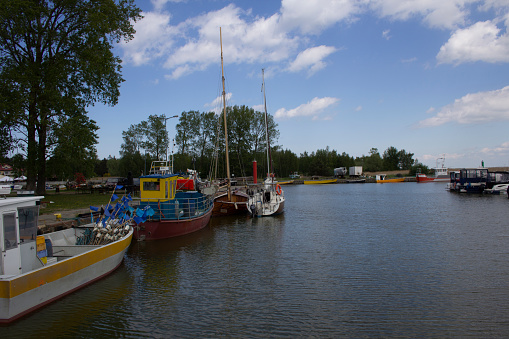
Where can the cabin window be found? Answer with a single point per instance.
(27, 219)
(10, 233)
(151, 185)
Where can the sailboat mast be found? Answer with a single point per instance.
(224, 116)
(269, 163)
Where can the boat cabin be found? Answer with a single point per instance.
(18, 235)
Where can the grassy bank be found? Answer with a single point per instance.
(57, 202)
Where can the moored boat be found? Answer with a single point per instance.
(37, 270)
(175, 212)
(320, 182)
(228, 202)
(477, 180)
(382, 179)
(440, 173)
(267, 199)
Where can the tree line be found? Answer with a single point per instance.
(199, 143)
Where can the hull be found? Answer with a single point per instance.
(259, 208)
(319, 182)
(163, 229)
(423, 178)
(22, 294)
(236, 205)
(267, 212)
(390, 180)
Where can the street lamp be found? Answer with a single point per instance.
(167, 138)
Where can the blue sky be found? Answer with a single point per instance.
(427, 76)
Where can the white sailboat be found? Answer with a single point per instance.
(267, 199)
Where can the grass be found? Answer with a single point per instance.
(70, 200)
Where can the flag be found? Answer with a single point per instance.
(114, 197)
(107, 212)
(150, 211)
(118, 187)
(138, 220)
(139, 212)
(95, 209)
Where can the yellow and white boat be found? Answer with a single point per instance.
(318, 182)
(36, 270)
(382, 179)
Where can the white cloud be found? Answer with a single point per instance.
(241, 41)
(500, 149)
(312, 108)
(481, 107)
(217, 103)
(312, 17)
(154, 38)
(312, 59)
(386, 34)
(159, 4)
(436, 13)
(479, 42)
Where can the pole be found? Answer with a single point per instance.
(224, 116)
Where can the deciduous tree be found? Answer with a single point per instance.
(56, 59)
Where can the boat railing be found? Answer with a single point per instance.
(183, 206)
(160, 167)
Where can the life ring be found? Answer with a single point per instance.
(278, 189)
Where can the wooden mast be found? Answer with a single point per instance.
(224, 116)
(269, 163)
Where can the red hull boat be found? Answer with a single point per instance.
(154, 230)
(172, 212)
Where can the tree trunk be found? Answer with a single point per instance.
(31, 170)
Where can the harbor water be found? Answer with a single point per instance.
(346, 260)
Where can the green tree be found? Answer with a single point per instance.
(406, 160)
(56, 59)
(78, 153)
(156, 139)
(187, 131)
(391, 159)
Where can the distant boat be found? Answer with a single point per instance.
(319, 182)
(228, 202)
(356, 181)
(175, 212)
(441, 173)
(267, 199)
(477, 180)
(382, 179)
(287, 182)
(36, 270)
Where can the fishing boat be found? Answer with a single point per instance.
(175, 213)
(441, 173)
(36, 270)
(319, 182)
(267, 199)
(228, 201)
(382, 179)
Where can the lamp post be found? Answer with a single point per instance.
(167, 138)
